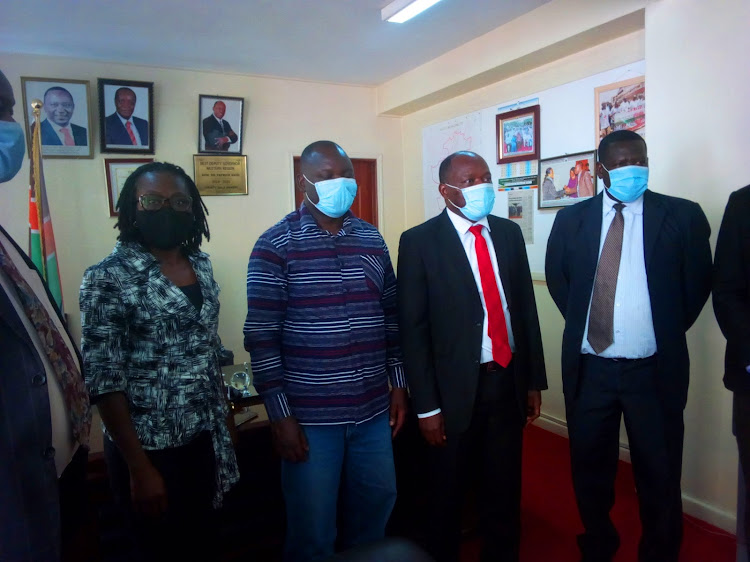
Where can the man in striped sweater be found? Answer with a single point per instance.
(322, 332)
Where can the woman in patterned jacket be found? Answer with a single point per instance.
(149, 315)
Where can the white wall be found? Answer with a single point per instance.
(698, 87)
(281, 118)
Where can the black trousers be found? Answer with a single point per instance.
(187, 530)
(487, 456)
(741, 423)
(607, 390)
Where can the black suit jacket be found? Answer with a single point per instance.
(732, 289)
(116, 133)
(678, 268)
(212, 131)
(441, 317)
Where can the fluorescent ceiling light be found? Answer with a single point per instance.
(403, 10)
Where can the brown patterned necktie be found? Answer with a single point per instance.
(60, 357)
(601, 317)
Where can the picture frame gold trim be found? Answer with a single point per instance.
(116, 181)
(220, 174)
(60, 151)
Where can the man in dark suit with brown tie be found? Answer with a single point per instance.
(473, 355)
(630, 270)
(732, 308)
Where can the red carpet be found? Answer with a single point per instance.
(550, 518)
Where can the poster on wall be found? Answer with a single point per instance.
(126, 116)
(521, 211)
(566, 180)
(220, 124)
(66, 119)
(441, 140)
(620, 106)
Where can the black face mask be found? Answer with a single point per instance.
(164, 229)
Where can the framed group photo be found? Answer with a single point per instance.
(117, 170)
(566, 180)
(126, 116)
(65, 119)
(621, 105)
(518, 135)
(220, 124)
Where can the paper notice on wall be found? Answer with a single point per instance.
(439, 141)
(521, 210)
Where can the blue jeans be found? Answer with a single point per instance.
(359, 460)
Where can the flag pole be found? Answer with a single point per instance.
(36, 158)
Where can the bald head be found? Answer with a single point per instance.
(325, 159)
(7, 101)
(447, 164)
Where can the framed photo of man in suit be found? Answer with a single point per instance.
(220, 124)
(65, 117)
(126, 116)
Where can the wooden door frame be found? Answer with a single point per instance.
(363, 155)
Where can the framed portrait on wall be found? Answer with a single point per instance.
(117, 170)
(65, 117)
(566, 180)
(126, 116)
(518, 135)
(220, 124)
(621, 105)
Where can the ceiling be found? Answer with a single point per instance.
(342, 41)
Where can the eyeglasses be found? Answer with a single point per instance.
(179, 202)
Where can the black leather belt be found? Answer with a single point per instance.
(490, 367)
(618, 359)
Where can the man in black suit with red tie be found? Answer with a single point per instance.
(732, 308)
(473, 355)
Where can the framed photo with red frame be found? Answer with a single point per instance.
(518, 135)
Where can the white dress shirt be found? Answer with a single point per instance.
(133, 128)
(62, 429)
(634, 336)
(468, 241)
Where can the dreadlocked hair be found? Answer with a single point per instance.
(127, 202)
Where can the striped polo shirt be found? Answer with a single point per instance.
(322, 327)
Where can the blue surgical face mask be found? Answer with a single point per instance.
(627, 183)
(11, 149)
(334, 196)
(479, 200)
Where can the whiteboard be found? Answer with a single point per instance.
(567, 119)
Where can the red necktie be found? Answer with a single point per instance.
(129, 127)
(67, 138)
(497, 329)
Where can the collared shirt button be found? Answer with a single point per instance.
(38, 380)
(49, 453)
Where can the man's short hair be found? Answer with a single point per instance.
(445, 165)
(618, 136)
(124, 89)
(56, 89)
